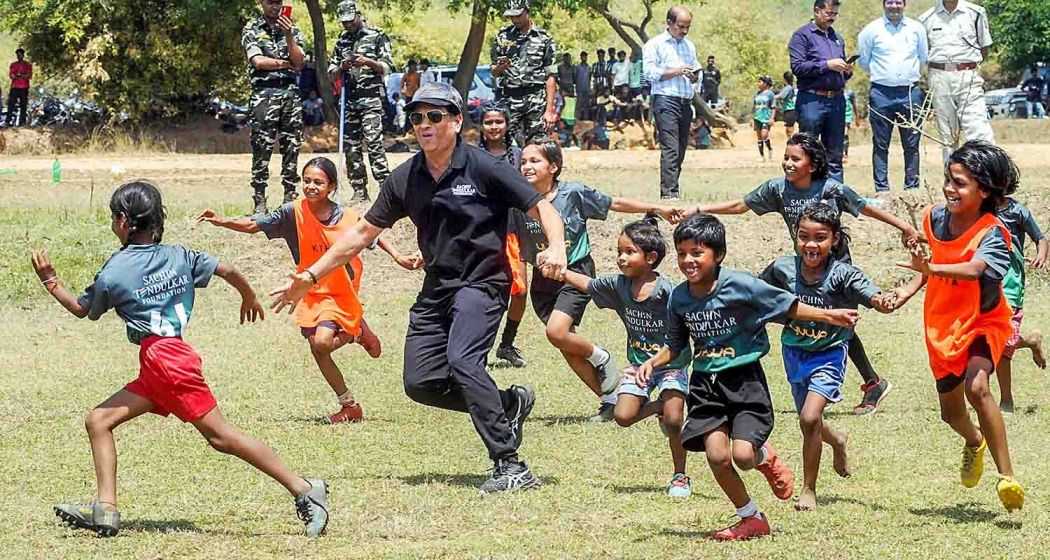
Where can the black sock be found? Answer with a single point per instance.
(769, 146)
(761, 149)
(859, 357)
(510, 332)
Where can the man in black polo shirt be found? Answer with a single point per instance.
(459, 199)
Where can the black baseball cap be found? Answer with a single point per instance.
(439, 95)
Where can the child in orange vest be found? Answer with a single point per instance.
(966, 315)
(330, 315)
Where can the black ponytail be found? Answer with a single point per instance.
(140, 203)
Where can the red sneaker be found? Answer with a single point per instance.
(781, 479)
(369, 341)
(348, 413)
(747, 528)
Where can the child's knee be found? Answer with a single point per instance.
(977, 389)
(744, 457)
(96, 422)
(322, 346)
(556, 335)
(624, 417)
(810, 422)
(719, 460)
(220, 441)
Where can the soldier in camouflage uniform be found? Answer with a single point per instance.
(274, 47)
(524, 66)
(362, 55)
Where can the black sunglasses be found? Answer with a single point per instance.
(434, 117)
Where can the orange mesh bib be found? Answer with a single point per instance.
(517, 281)
(952, 309)
(334, 297)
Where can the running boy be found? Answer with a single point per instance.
(1019, 220)
(815, 353)
(806, 180)
(966, 316)
(639, 295)
(331, 315)
(730, 414)
(151, 287)
(561, 307)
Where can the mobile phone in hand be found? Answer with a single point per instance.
(852, 59)
(286, 11)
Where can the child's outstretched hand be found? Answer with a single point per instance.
(1038, 262)
(251, 309)
(919, 263)
(42, 265)
(671, 214)
(415, 262)
(885, 302)
(843, 317)
(209, 215)
(911, 239)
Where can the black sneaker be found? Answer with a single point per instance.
(359, 196)
(92, 517)
(312, 508)
(511, 355)
(873, 394)
(606, 412)
(509, 476)
(524, 399)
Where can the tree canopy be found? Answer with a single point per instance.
(1021, 29)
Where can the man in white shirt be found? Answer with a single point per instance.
(671, 66)
(892, 51)
(959, 38)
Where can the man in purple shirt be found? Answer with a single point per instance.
(818, 60)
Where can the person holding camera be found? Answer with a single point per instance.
(362, 58)
(671, 66)
(525, 70)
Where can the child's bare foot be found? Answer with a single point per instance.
(369, 341)
(1035, 342)
(840, 459)
(807, 500)
(1006, 407)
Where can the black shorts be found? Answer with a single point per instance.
(759, 125)
(549, 295)
(790, 118)
(737, 398)
(978, 349)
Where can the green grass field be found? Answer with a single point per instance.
(404, 483)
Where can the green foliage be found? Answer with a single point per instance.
(1021, 29)
(146, 57)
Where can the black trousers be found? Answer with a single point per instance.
(445, 353)
(673, 116)
(17, 98)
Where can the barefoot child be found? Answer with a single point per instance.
(1021, 223)
(730, 414)
(966, 316)
(639, 295)
(561, 307)
(331, 316)
(806, 180)
(151, 287)
(815, 353)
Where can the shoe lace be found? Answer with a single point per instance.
(304, 512)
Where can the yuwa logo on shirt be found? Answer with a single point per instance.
(464, 190)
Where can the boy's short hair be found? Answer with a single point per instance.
(645, 233)
(703, 229)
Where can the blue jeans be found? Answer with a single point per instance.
(673, 116)
(900, 104)
(1035, 110)
(825, 117)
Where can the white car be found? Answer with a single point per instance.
(1005, 103)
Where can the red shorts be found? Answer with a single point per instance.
(1015, 337)
(170, 377)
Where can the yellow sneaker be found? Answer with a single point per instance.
(1011, 493)
(973, 464)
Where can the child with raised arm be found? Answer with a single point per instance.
(965, 313)
(730, 414)
(151, 286)
(639, 295)
(815, 353)
(806, 180)
(1019, 220)
(561, 307)
(331, 315)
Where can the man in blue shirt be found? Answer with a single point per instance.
(892, 50)
(818, 60)
(671, 66)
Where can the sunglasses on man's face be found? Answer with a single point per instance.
(434, 117)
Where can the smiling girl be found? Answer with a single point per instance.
(805, 181)
(331, 315)
(815, 353)
(966, 315)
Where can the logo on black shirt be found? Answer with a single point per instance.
(464, 190)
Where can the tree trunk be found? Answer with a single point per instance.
(468, 59)
(713, 119)
(331, 112)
